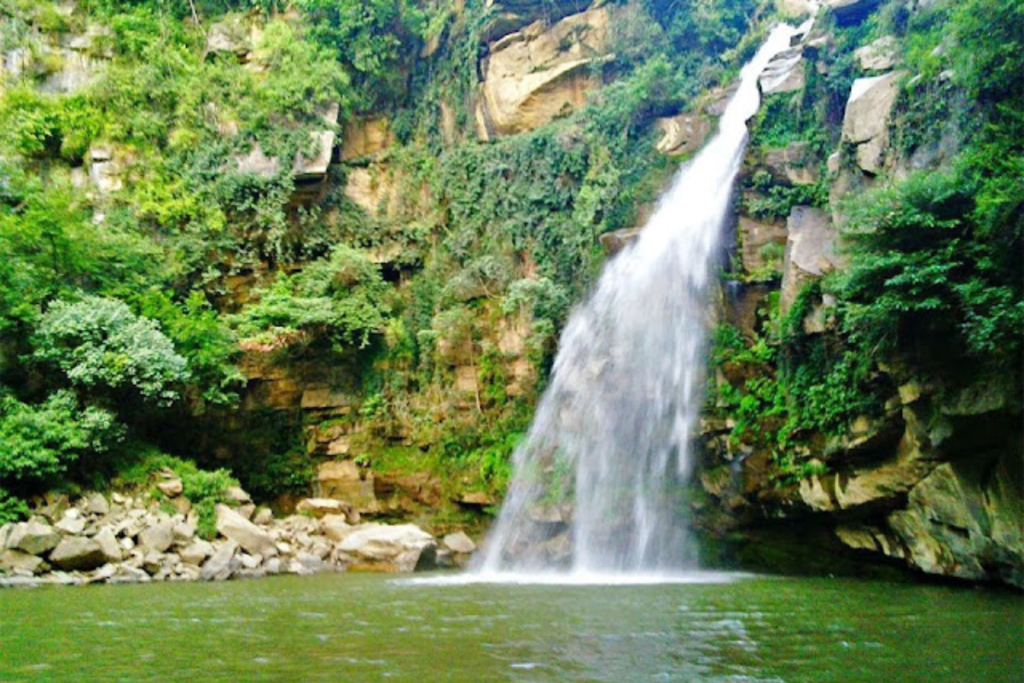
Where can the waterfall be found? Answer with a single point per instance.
(598, 480)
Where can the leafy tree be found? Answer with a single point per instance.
(100, 345)
(41, 442)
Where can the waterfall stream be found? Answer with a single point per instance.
(598, 481)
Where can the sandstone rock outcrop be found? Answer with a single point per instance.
(811, 251)
(541, 72)
(866, 122)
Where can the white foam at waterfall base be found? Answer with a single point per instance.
(575, 578)
(597, 491)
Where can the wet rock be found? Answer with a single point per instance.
(127, 575)
(77, 553)
(793, 164)
(617, 240)
(243, 532)
(218, 567)
(34, 537)
(784, 73)
(459, 542)
(158, 536)
(682, 134)
(476, 499)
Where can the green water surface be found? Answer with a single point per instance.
(374, 628)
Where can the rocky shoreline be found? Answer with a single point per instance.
(136, 539)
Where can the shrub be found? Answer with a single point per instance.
(41, 442)
(99, 344)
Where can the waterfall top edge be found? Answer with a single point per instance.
(520, 578)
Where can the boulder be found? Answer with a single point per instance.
(34, 537)
(183, 533)
(459, 542)
(158, 536)
(171, 488)
(263, 517)
(811, 251)
(196, 552)
(336, 527)
(682, 134)
(71, 525)
(541, 72)
(15, 560)
(399, 547)
(880, 55)
(230, 35)
(243, 532)
(107, 542)
(762, 247)
(77, 553)
(967, 520)
(220, 564)
(850, 12)
(237, 495)
(866, 121)
(794, 164)
(784, 73)
(96, 504)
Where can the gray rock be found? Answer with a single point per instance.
(866, 121)
(398, 546)
(272, 565)
(128, 574)
(108, 545)
(237, 495)
(184, 533)
(246, 510)
(196, 552)
(880, 55)
(811, 251)
(784, 73)
(459, 542)
(263, 517)
(35, 537)
(248, 561)
(75, 552)
(336, 527)
(96, 504)
(158, 537)
(14, 560)
(70, 525)
(5, 533)
(219, 566)
(249, 536)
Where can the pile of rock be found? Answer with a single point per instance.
(136, 540)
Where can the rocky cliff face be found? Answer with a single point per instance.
(932, 481)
